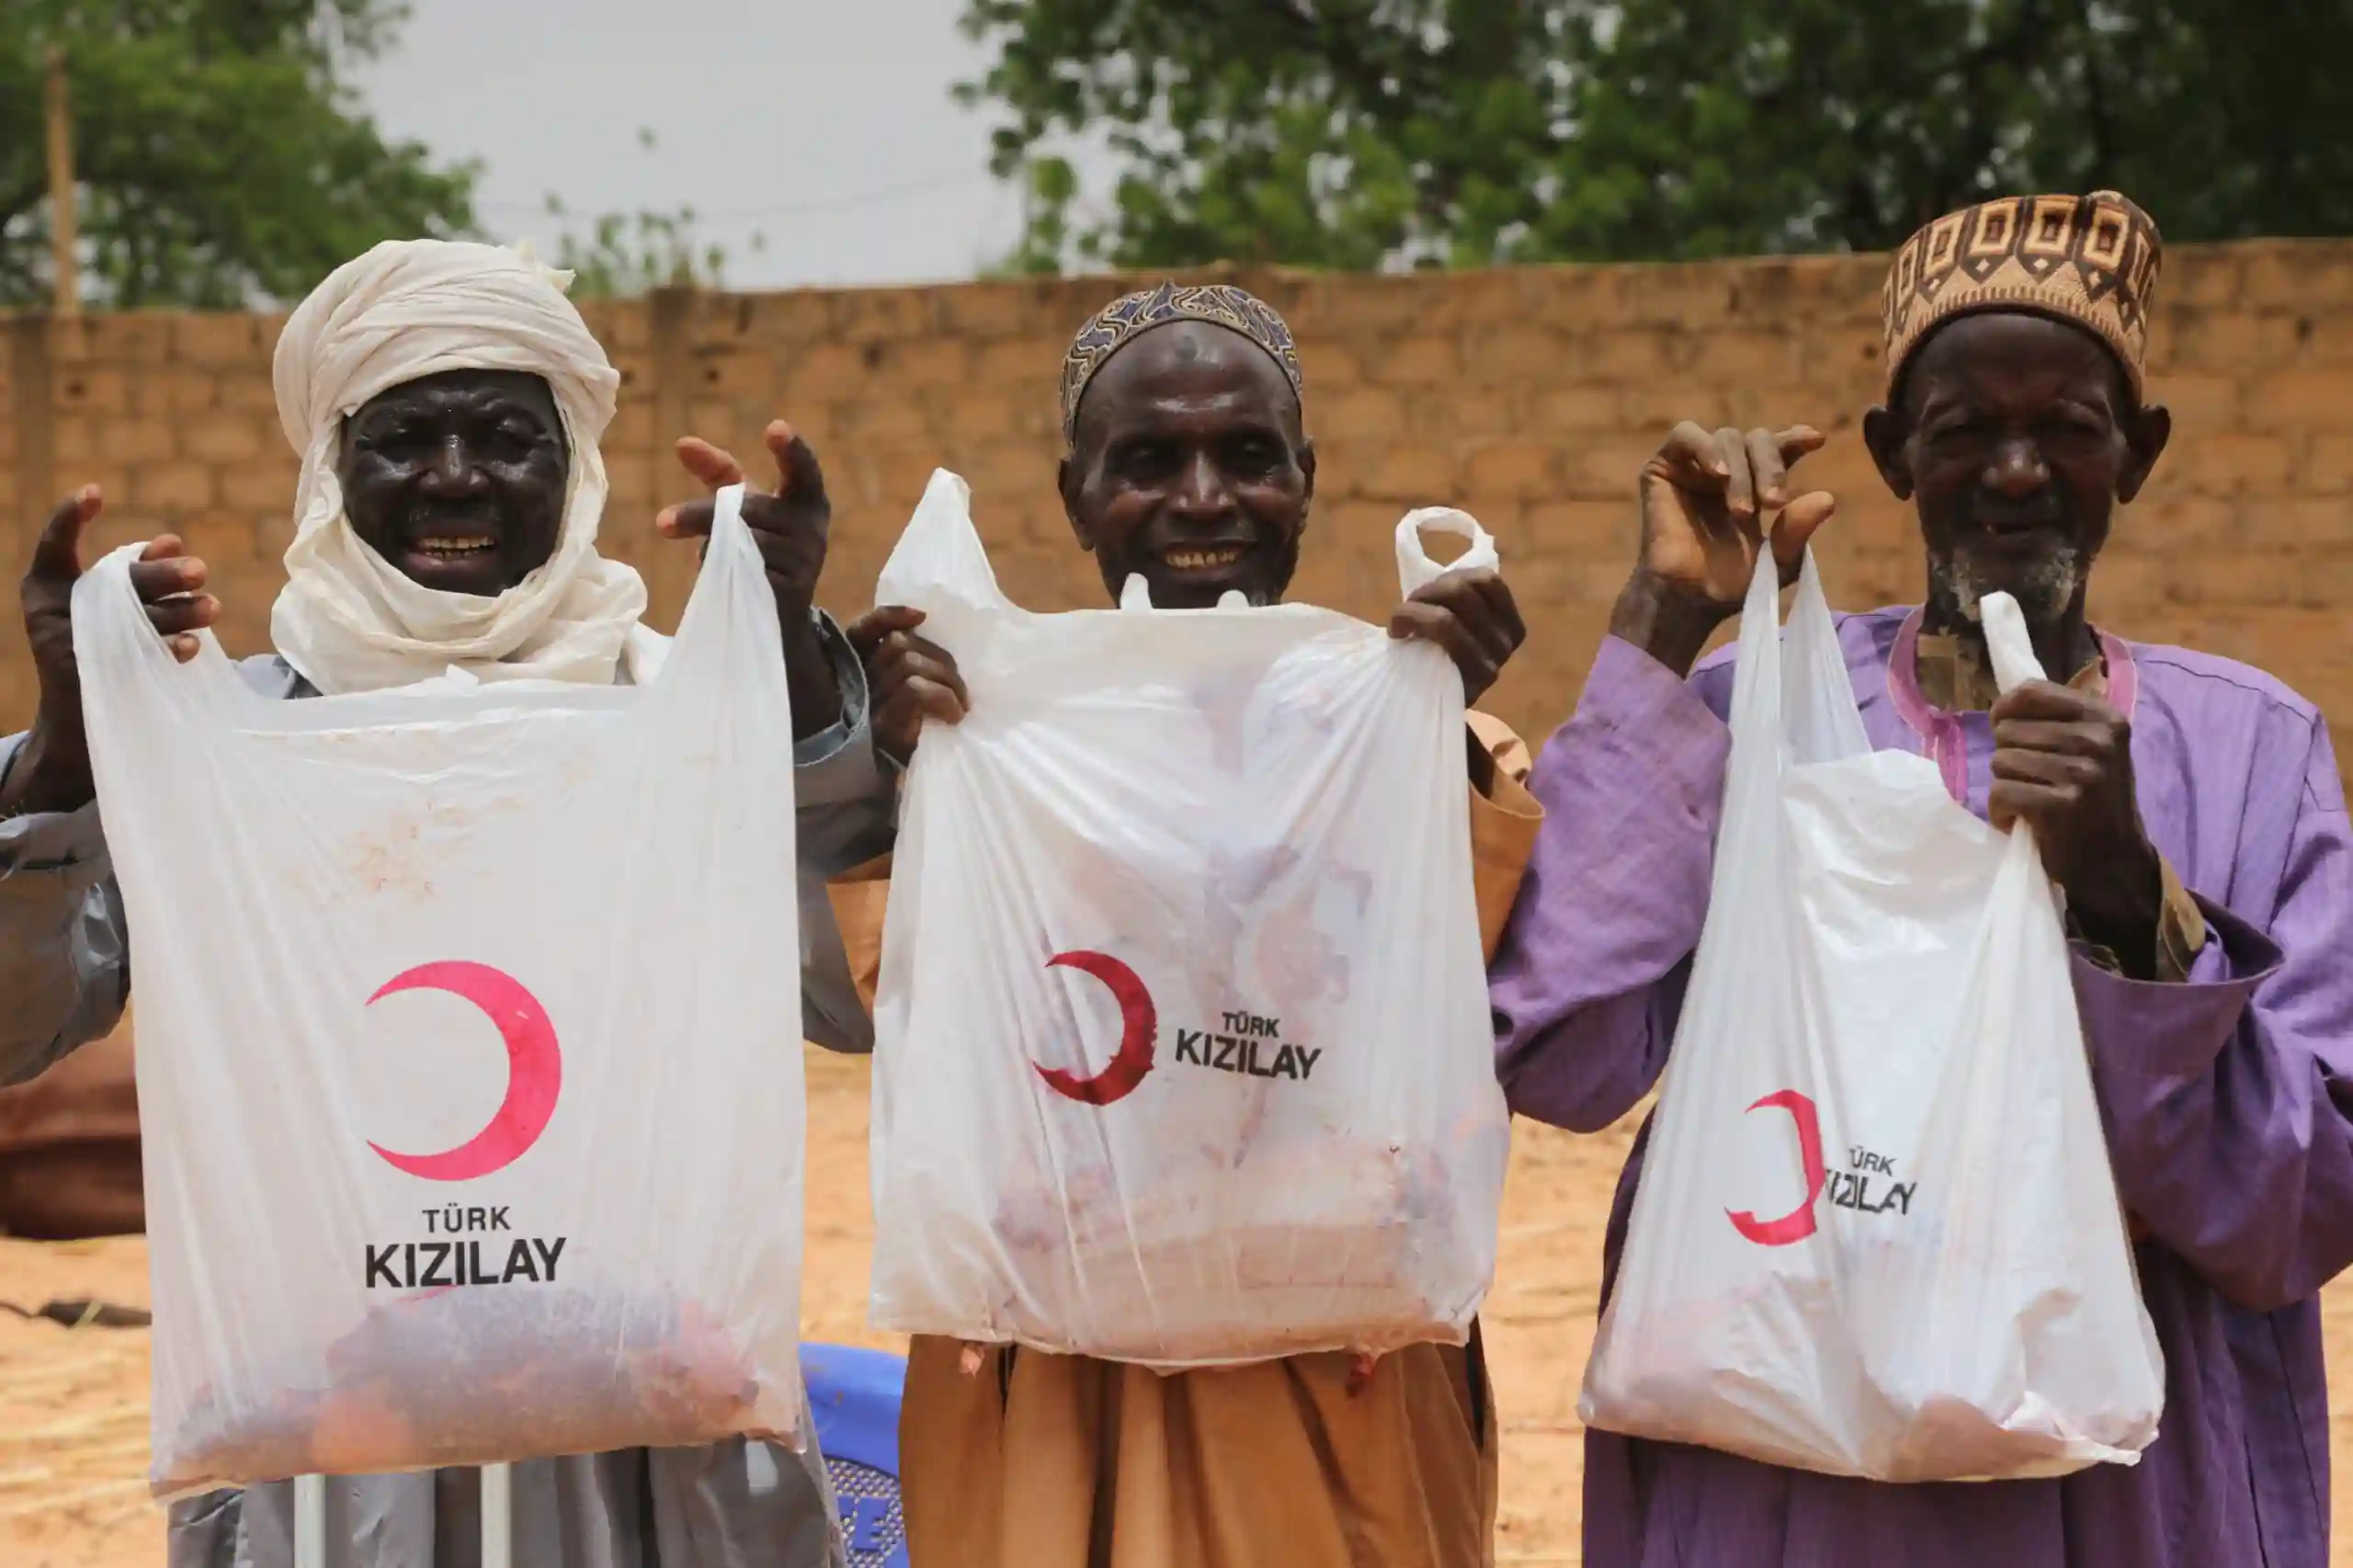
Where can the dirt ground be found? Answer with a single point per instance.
(74, 1402)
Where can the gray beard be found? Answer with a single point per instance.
(2044, 589)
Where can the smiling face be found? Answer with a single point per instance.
(2016, 436)
(1190, 469)
(458, 480)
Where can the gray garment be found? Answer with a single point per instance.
(64, 978)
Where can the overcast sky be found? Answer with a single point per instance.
(824, 125)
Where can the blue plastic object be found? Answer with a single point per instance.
(855, 1396)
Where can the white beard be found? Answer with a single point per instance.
(2044, 589)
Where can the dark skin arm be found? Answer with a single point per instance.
(52, 772)
(790, 527)
(2063, 765)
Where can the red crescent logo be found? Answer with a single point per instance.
(534, 1070)
(1140, 1027)
(1799, 1223)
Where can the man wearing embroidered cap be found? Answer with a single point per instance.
(2189, 807)
(445, 402)
(1186, 464)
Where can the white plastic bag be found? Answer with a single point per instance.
(1182, 1044)
(379, 1239)
(1876, 1233)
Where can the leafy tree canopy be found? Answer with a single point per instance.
(1369, 134)
(221, 152)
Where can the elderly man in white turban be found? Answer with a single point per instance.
(446, 401)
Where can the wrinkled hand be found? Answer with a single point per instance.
(1706, 502)
(2063, 764)
(52, 772)
(1471, 615)
(908, 679)
(790, 528)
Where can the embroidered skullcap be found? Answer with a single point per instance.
(2091, 260)
(1129, 316)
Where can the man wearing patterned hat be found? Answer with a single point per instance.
(2189, 807)
(1186, 463)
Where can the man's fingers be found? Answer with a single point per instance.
(2013, 800)
(1740, 487)
(1767, 469)
(915, 701)
(58, 551)
(789, 522)
(162, 547)
(1420, 620)
(154, 579)
(2048, 700)
(1798, 522)
(1489, 622)
(708, 463)
(173, 617)
(798, 474)
(1797, 441)
(689, 520)
(906, 658)
(866, 633)
(938, 699)
(1478, 664)
(1491, 587)
(2053, 736)
(1692, 460)
(2057, 770)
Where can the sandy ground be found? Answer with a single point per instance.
(73, 1409)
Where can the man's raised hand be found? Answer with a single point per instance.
(52, 773)
(790, 528)
(1711, 502)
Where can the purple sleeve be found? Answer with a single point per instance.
(1589, 978)
(2228, 1099)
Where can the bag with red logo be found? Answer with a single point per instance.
(1182, 1044)
(469, 1062)
(1876, 1233)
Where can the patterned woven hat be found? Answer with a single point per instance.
(2091, 260)
(1128, 317)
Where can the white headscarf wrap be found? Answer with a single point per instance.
(350, 620)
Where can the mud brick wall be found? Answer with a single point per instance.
(1528, 396)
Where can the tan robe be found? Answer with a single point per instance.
(1034, 1460)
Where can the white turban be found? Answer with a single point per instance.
(347, 619)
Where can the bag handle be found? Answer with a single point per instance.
(1792, 695)
(1417, 571)
(940, 559)
(2007, 642)
(726, 558)
(2014, 664)
(730, 610)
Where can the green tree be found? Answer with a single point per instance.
(222, 156)
(1364, 133)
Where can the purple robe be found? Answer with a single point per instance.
(2226, 1099)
